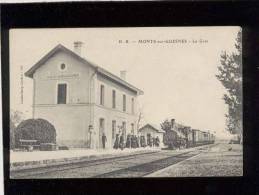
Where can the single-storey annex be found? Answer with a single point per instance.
(153, 131)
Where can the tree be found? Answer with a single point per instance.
(230, 76)
(140, 118)
(166, 125)
(15, 118)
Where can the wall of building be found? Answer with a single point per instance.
(76, 75)
(70, 121)
(108, 113)
(120, 91)
(147, 130)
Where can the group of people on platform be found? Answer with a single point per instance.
(133, 141)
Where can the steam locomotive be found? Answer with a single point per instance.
(180, 136)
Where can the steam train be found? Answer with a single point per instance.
(180, 136)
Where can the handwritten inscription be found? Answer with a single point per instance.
(21, 82)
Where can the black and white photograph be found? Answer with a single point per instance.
(126, 102)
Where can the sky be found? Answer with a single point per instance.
(178, 78)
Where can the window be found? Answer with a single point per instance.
(62, 66)
(113, 129)
(132, 128)
(124, 103)
(62, 94)
(113, 99)
(132, 105)
(102, 95)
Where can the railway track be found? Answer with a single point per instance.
(148, 168)
(26, 173)
(133, 165)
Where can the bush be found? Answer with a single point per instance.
(35, 129)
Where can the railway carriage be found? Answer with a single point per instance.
(189, 137)
(211, 138)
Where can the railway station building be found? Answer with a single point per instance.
(81, 99)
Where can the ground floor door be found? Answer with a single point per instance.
(124, 130)
(113, 133)
(149, 139)
(101, 131)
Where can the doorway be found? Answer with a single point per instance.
(113, 132)
(124, 130)
(101, 131)
(149, 139)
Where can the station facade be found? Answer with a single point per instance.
(82, 100)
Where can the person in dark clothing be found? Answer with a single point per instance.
(104, 139)
(133, 141)
(157, 141)
(148, 139)
(143, 141)
(128, 141)
(138, 142)
(116, 143)
(153, 141)
(122, 142)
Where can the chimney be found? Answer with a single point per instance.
(172, 122)
(123, 74)
(78, 47)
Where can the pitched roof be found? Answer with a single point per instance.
(98, 69)
(153, 126)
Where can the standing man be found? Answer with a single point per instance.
(157, 141)
(104, 139)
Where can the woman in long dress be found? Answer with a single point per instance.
(116, 143)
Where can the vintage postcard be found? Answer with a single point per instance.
(126, 102)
